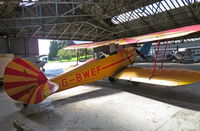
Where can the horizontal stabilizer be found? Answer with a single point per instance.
(24, 82)
(168, 77)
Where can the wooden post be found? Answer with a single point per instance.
(85, 54)
(77, 56)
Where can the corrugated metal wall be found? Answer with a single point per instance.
(3, 46)
(19, 46)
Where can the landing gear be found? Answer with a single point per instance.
(43, 70)
(1, 84)
(25, 105)
(111, 79)
(21, 105)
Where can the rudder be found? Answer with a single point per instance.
(24, 82)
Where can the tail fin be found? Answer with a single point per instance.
(24, 82)
(146, 48)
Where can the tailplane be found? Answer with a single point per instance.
(24, 82)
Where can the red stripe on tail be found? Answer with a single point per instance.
(20, 94)
(39, 94)
(9, 85)
(9, 71)
(23, 63)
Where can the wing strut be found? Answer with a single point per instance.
(163, 59)
(155, 60)
(128, 56)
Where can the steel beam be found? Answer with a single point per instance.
(77, 30)
(38, 25)
(61, 2)
(46, 17)
(51, 31)
(145, 22)
(172, 18)
(88, 33)
(97, 26)
(98, 35)
(107, 35)
(19, 32)
(56, 7)
(69, 11)
(30, 11)
(36, 31)
(64, 31)
(168, 4)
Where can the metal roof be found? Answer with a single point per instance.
(151, 9)
(94, 20)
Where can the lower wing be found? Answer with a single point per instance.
(168, 77)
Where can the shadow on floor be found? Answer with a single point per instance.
(84, 96)
(179, 96)
(47, 112)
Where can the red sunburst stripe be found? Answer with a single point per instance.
(20, 94)
(9, 85)
(23, 63)
(39, 94)
(30, 96)
(9, 71)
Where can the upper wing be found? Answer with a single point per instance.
(141, 39)
(168, 77)
(92, 45)
(173, 33)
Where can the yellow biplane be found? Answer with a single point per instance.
(24, 82)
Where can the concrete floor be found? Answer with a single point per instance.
(106, 106)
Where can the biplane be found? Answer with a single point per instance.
(185, 55)
(25, 83)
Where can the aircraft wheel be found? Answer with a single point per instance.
(43, 70)
(25, 105)
(111, 79)
(134, 83)
(1, 84)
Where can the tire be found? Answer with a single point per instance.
(1, 84)
(111, 79)
(43, 70)
(25, 105)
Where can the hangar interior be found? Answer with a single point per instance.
(126, 106)
(23, 21)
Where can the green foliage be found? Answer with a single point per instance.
(72, 59)
(72, 54)
(56, 50)
(66, 54)
(54, 47)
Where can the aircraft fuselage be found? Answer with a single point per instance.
(96, 69)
